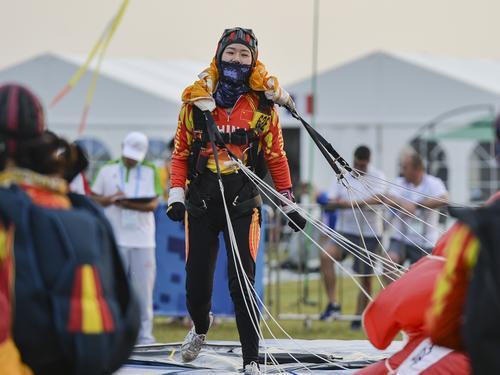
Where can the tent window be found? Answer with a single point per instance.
(484, 172)
(97, 153)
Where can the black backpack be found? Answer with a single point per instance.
(75, 312)
(481, 328)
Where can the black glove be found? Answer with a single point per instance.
(176, 211)
(296, 221)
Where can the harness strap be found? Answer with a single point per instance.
(246, 206)
(255, 159)
(235, 210)
(239, 137)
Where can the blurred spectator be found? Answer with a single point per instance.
(77, 181)
(10, 361)
(360, 225)
(128, 188)
(80, 185)
(67, 268)
(419, 195)
(329, 215)
(465, 305)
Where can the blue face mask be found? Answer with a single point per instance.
(233, 82)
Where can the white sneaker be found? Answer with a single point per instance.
(252, 369)
(193, 342)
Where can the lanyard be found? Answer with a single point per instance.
(137, 183)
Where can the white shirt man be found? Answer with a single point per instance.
(128, 189)
(416, 232)
(366, 231)
(369, 218)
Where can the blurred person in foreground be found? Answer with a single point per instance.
(361, 226)
(415, 196)
(79, 183)
(466, 301)
(401, 307)
(445, 303)
(451, 318)
(10, 361)
(129, 188)
(74, 312)
(235, 91)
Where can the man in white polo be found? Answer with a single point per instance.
(416, 196)
(359, 222)
(128, 188)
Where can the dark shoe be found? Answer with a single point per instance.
(356, 325)
(332, 311)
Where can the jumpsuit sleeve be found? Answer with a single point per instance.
(274, 153)
(182, 147)
(444, 316)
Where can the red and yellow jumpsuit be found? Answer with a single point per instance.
(203, 227)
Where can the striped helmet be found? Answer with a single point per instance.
(21, 116)
(237, 35)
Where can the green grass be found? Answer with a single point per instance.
(290, 297)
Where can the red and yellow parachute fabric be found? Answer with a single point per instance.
(444, 316)
(89, 311)
(402, 306)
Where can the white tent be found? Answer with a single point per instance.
(132, 94)
(382, 99)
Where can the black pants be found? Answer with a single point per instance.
(203, 227)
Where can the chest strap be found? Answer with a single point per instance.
(239, 137)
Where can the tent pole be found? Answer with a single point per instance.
(311, 189)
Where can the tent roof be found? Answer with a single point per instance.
(399, 89)
(129, 93)
(481, 73)
(379, 88)
(164, 78)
